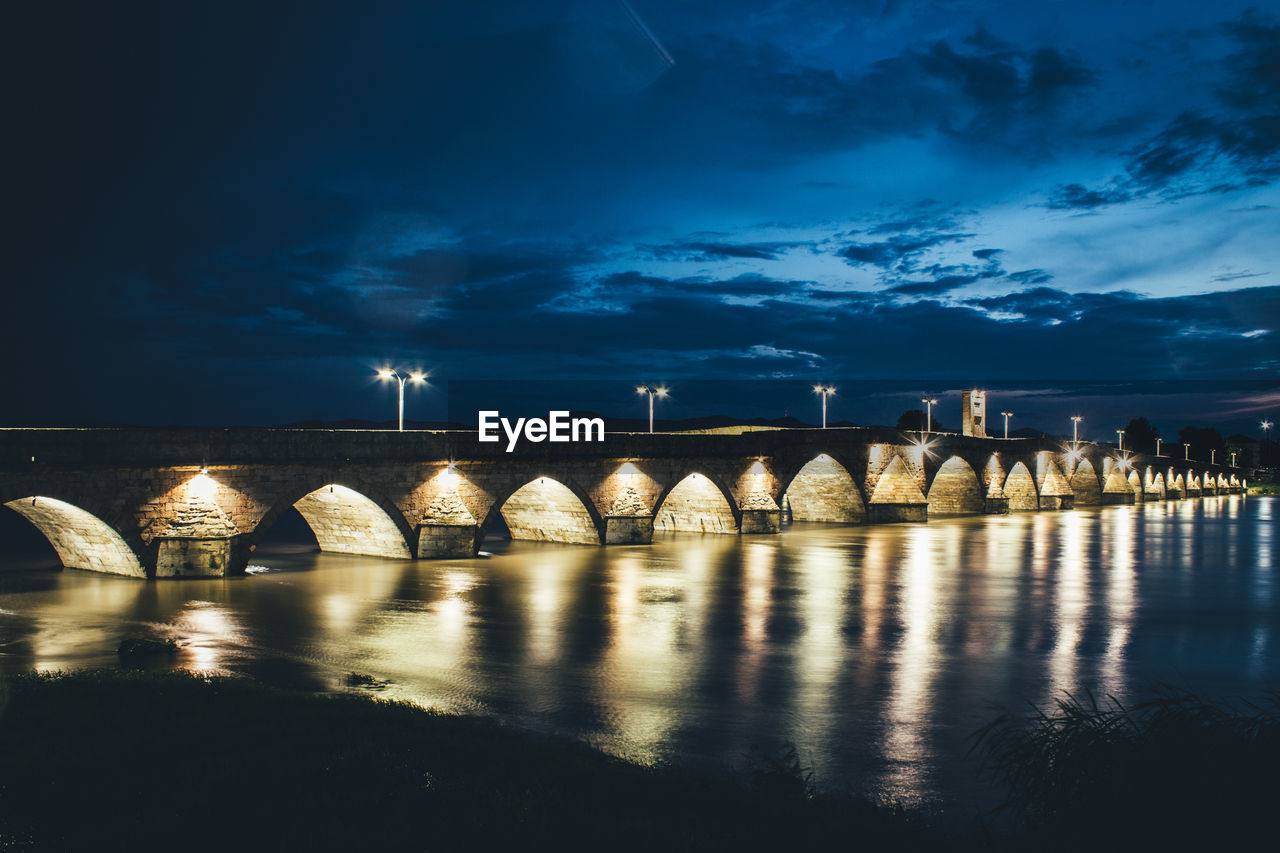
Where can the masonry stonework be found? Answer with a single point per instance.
(178, 502)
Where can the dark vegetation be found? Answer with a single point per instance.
(144, 761)
(134, 760)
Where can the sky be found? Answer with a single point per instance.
(232, 213)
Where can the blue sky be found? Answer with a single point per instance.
(228, 215)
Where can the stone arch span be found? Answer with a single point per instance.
(346, 521)
(1084, 484)
(80, 538)
(696, 504)
(1020, 489)
(546, 510)
(824, 490)
(956, 489)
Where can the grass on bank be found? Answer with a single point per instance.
(1175, 772)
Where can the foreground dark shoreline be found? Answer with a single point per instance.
(113, 759)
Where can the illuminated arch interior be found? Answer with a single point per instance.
(545, 510)
(81, 539)
(823, 490)
(1084, 484)
(695, 505)
(1020, 489)
(956, 489)
(346, 522)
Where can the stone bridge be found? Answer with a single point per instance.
(184, 502)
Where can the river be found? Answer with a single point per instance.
(875, 650)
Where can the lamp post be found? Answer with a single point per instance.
(1006, 423)
(1157, 445)
(1266, 427)
(1212, 454)
(928, 414)
(824, 391)
(1186, 452)
(1233, 458)
(1120, 444)
(1075, 428)
(659, 391)
(414, 376)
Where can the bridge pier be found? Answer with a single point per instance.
(996, 506)
(1118, 498)
(628, 529)
(761, 521)
(1056, 502)
(441, 539)
(192, 557)
(891, 513)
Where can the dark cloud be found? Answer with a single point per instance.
(1077, 197)
(700, 250)
(1244, 132)
(900, 252)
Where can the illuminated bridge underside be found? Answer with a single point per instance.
(956, 489)
(824, 491)
(1020, 489)
(346, 522)
(1084, 484)
(695, 505)
(81, 540)
(548, 511)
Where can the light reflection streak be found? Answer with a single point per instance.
(915, 663)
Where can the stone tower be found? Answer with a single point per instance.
(974, 418)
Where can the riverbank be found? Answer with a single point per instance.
(175, 760)
(180, 761)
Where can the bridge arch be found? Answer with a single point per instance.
(956, 489)
(1084, 484)
(1157, 486)
(824, 490)
(1179, 484)
(548, 510)
(1020, 489)
(1135, 486)
(345, 521)
(696, 504)
(81, 539)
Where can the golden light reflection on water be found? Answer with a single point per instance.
(874, 649)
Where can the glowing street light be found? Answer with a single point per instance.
(1120, 445)
(659, 391)
(1075, 428)
(928, 413)
(1007, 415)
(1157, 445)
(825, 391)
(1266, 425)
(414, 376)
(1212, 453)
(1186, 451)
(1233, 458)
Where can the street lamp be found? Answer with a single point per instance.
(1120, 445)
(1075, 428)
(1157, 445)
(1233, 458)
(415, 376)
(1212, 454)
(825, 391)
(1186, 451)
(1006, 423)
(659, 391)
(928, 414)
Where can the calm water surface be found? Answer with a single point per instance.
(876, 651)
